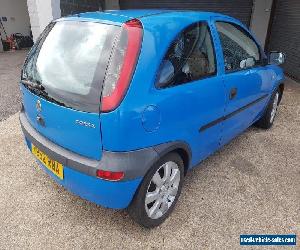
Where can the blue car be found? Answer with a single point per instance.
(119, 105)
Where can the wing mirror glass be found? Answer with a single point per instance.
(166, 74)
(276, 58)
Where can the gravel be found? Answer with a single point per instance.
(10, 72)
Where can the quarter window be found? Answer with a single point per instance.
(239, 49)
(190, 57)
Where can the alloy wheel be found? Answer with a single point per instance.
(274, 107)
(162, 190)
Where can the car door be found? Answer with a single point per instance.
(245, 78)
(192, 90)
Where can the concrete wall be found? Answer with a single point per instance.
(17, 16)
(260, 19)
(41, 13)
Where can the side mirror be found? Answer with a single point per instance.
(165, 74)
(276, 58)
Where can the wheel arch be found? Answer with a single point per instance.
(181, 148)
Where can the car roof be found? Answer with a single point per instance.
(121, 16)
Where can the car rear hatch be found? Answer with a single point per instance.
(62, 81)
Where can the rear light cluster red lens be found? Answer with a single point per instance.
(110, 176)
(122, 65)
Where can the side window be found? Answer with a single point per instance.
(239, 49)
(190, 57)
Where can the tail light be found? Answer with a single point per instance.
(122, 65)
(109, 176)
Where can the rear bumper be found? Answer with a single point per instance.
(80, 172)
(117, 195)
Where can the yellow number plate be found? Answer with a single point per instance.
(54, 166)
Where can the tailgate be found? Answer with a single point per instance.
(65, 126)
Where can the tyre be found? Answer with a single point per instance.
(159, 191)
(267, 120)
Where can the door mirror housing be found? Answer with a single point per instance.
(166, 74)
(276, 58)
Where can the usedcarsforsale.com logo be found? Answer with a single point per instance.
(266, 239)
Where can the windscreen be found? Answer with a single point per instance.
(69, 61)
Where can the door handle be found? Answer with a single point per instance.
(233, 93)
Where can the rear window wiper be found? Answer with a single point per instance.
(35, 85)
(38, 89)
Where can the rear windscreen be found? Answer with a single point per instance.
(69, 60)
